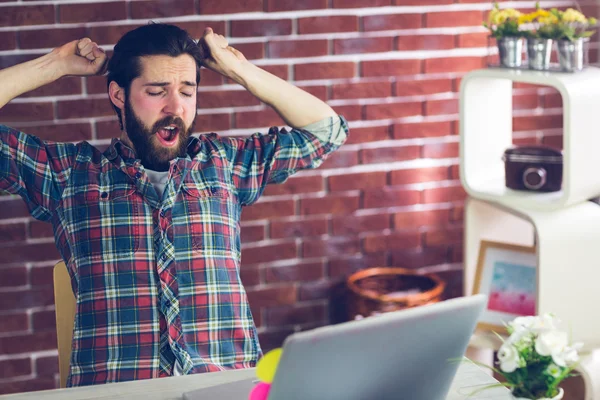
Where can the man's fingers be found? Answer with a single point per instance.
(81, 44)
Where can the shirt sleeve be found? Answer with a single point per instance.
(271, 158)
(34, 169)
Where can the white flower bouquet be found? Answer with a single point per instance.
(536, 357)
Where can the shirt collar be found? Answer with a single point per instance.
(118, 148)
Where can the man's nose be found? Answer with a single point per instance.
(174, 105)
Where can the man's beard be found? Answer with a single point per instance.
(147, 148)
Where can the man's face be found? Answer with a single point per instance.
(160, 109)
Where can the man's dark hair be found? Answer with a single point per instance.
(149, 40)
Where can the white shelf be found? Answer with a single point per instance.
(486, 131)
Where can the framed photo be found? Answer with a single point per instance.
(507, 273)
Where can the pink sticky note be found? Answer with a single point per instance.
(260, 391)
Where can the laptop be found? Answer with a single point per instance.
(406, 354)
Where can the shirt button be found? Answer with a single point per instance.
(138, 175)
(162, 213)
(104, 195)
(164, 257)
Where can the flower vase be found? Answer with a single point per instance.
(538, 53)
(559, 396)
(510, 50)
(571, 54)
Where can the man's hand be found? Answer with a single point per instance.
(81, 58)
(221, 57)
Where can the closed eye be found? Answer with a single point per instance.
(155, 93)
(187, 94)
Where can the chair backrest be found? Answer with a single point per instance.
(64, 303)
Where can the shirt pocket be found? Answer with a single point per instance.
(212, 217)
(104, 223)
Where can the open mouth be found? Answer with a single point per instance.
(168, 135)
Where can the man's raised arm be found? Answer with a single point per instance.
(79, 57)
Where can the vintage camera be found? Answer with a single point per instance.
(533, 168)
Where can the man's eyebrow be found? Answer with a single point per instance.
(163, 84)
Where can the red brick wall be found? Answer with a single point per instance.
(390, 197)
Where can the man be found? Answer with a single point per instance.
(149, 229)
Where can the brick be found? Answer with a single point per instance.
(12, 232)
(418, 175)
(330, 247)
(319, 91)
(454, 172)
(15, 367)
(440, 150)
(387, 22)
(13, 276)
(420, 257)
(294, 5)
(389, 154)
(13, 208)
(8, 40)
(46, 366)
(273, 296)
(252, 51)
(393, 241)
(250, 275)
(67, 85)
(107, 129)
(270, 252)
(344, 267)
(390, 67)
(391, 197)
(38, 341)
(441, 107)
(552, 100)
(159, 9)
(393, 110)
(537, 122)
(228, 98)
(43, 320)
(10, 60)
(319, 290)
(273, 339)
(14, 322)
(41, 276)
(360, 3)
(456, 64)
(61, 132)
(295, 185)
(525, 102)
(258, 119)
(269, 209)
(362, 181)
(109, 35)
(332, 204)
(424, 42)
(96, 84)
(293, 315)
(444, 194)
(454, 18)
(456, 254)
(300, 272)
(325, 70)
(474, 39)
(352, 112)
(28, 385)
(297, 48)
(21, 112)
(213, 122)
(27, 15)
(229, 7)
(49, 38)
(20, 252)
(341, 159)
(553, 141)
(92, 12)
(361, 90)
(355, 224)
(251, 28)
(368, 134)
(336, 23)
(529, 140)
(454, 283)
(26, 298)
(422, 87)
(298, 228)
(252, 233)
(422, 2)
(280, 71)
(84, 108)
(422, 129)
(444, 236)
(39, 229)
(411, 219)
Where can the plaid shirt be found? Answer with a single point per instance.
(156, 280)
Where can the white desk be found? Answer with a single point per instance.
(468, 379)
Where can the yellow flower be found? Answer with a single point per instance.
(572, 15)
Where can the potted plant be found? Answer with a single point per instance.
(572, 32)
(504, 27)
(543, 30)
(536, 358)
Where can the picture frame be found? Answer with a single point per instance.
(507, 273)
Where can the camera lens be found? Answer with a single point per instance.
(534, 178)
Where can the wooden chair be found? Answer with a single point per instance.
(64, 302)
